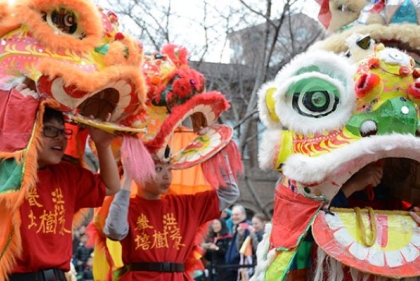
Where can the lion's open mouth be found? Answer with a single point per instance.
(375, 233)
(116, 98)
(100, 104)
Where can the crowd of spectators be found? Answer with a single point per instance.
(231, 245)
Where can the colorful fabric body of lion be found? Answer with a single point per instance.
(351, 100)
(75, 59)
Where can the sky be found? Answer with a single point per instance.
(193, 35)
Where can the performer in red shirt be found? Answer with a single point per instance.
(157, 232)
(62, 189)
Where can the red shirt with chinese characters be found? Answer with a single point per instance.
(47, 214)
(164, 231)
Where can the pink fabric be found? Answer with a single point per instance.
(17, 118)
(137, 162)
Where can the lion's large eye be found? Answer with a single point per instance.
(63, 20)
(313, 97)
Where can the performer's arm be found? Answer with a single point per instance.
(229, 194)
(107, 165)
(116, 224)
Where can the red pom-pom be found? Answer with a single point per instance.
(119, 36)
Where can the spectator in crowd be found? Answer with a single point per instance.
(216, 246)
(76, 241)
(226, 215)
(82, 254)
(87, 273)
(240, 233)
(257, 229)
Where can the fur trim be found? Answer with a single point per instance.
(127, 51)
(97, 238)
(405, 33)
(8, 21)
(331, 68)
(193, 261)
(178, 55)
(95, 81)
(29, 13)
(310, 170)
(341, 17)
(265, 255)
(269, 149)
(80, 217)
(11, 243)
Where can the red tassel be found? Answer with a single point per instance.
(137, 162)
(227, 160)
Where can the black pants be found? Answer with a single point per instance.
(42, 275)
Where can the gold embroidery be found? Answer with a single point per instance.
(161, 239)
(171, 225)
(176, 237)
(142, 241)
(32, 197)
(32, 217)
(48, 222)
(51, 220)
(142, 223)
(169, 220)
(58, 199)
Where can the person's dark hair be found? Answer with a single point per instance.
(223, 231)
(52, 114)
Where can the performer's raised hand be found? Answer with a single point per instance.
(101, 138)
(368, 177)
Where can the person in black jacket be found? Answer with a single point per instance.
(218, 242)
(82, 254)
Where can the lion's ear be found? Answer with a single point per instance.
(267, 105)
(270, 103)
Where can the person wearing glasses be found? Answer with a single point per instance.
(62, 189)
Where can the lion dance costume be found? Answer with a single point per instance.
(177, 108)
(350, 100)
(72, 54)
